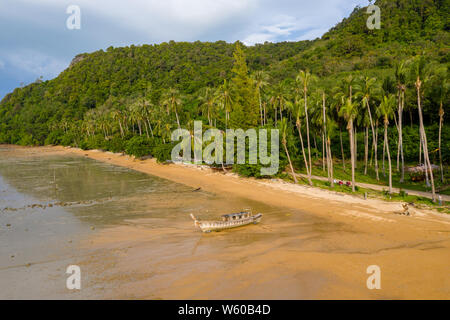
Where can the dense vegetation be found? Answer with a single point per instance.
(384, 92)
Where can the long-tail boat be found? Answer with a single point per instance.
(229, 221)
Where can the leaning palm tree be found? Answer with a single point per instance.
(303, 80)
(400, 75)
(283, 129)
(299, 106)
(349, 112)
(387, 111)
(419, 72)
(172, 100)
(261, 79)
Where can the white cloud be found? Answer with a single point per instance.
(35, 63)
(35, 40)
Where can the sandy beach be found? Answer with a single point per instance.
(413, 252)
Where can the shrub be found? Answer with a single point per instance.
(139, 146)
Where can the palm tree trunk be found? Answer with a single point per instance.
(260, 107)
(420, 146)
(352, 152)
(324, 134)
(150, 126)
(366, 149)
(330, 162)
(307, 133)
(355, 137)
(441, 122)
(304, 154)
(425, 145)
(323, 152)
(290, 163)
(146, 129)
(121, 129)
(389, 155)
(342, 149)
(384, 157)
(400, 125)
(374, 138)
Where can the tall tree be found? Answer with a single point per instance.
(304, 79)
(261, 79)
(349, 113)
(283, 129)
(419, 71)
(386, 110)
(400, 76)
(172, 100)
(244, 114)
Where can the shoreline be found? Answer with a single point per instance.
(412, 251)
(205, 178)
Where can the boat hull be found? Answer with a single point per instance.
(209, 226)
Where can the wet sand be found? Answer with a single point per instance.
(318, 245)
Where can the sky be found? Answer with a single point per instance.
(35, 40)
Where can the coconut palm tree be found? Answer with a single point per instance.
(261, 79)
(387, 111)
(299, 110)
(419, 72)
(366, 89)
(400, 76)
(224, 96)
(279, 99)
(303, 80)
(349, 113)
(172, 100)
(283, 129)
(441, 90)
(208, 99)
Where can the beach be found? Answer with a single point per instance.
(311, 243)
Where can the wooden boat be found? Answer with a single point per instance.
(229, 221)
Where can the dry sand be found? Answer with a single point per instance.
(413, 252)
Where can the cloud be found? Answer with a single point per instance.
(34, 39)
(35, 63)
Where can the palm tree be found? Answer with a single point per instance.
(387, 110)
(419, 72)
(117, 116)
(304, 79)
(279, 99)
(283, 129)
(208, 100)
(400, 75)
(224, 96)
(261, 79)
(441, 90)
(365, 90)
(172, 100)
(299, 106)
(349, 113)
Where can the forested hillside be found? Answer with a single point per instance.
(131, 98)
